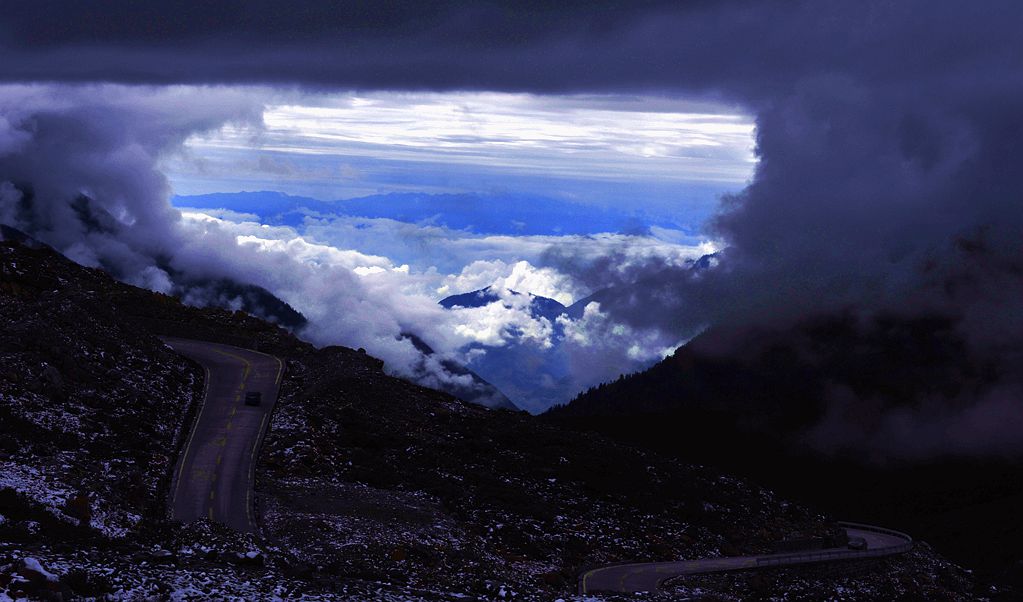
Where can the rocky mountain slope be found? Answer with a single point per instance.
(369, 487)
(93, 410)
(372, 477)
(93, 407)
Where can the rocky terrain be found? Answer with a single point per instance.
(369, 487)
(373, 477)
(93, 407)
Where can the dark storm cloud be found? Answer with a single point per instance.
(80, 166)
(386, 44)
(742, 49)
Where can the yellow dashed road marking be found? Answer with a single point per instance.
(247, 365)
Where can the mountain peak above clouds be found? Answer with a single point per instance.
(544, 307)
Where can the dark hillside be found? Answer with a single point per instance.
(93, 408)
(374, 477)
(760, 403)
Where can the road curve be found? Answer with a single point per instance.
(648, 576)
(215, 473)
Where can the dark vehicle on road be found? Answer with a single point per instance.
(253, 398)
(857, 543)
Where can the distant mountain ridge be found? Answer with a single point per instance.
(480, 213)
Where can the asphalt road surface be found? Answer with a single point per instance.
(216, 471)
(648, 576)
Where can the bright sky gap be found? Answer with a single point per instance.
(347, 145)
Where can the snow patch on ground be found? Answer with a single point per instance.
(50, 492)
(34, 484)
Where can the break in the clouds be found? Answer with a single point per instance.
(633, 151)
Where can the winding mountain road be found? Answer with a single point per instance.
(648, 576)
(215, 474)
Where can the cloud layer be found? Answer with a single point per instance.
(367, 300)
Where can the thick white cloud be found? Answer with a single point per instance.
(367, 300)
(597, 331)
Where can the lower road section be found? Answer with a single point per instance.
(216, 471)
(648, 576)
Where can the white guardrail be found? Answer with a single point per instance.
(828, 555)
(832, 555)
